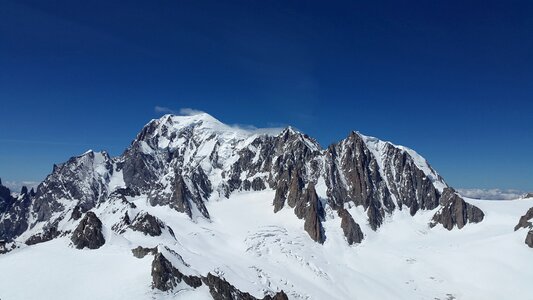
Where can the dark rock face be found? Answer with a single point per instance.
(258, 184)
(455, 211)
(281, 192)
(183, 197)
(305, 202)
(352, 230)
(417, 190)
(529, 239)
(123, 224)
(313, 215)
(47, 235)
(6, 247)
(144, 163)
(220, 289)
(147, 224)
(278, 296)
(352, 161)
(353, 176)
(165, 277)
(88, 234)
(524, 220)
(3, 248)
(14, 213)
(24, 190)
(5, 198)
(76, 213)
(141, 252)
(295, 164)
(76, 179)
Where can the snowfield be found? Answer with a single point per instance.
(261, 252)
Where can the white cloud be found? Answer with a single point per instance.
(251, 128)
(190, 111)
(165, 110)
(182, 111)
(491, 194)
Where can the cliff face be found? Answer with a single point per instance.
(455, 211)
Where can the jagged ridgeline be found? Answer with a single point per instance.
(182, 163)
(185, 161)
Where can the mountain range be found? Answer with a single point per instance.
(197, 209)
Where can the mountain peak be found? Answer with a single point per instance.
(192, 118)
(201, 125)
(289, 130)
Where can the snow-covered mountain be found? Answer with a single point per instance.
(195, 208)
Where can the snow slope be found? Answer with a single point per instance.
(259, 252)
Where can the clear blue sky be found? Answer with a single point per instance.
(451, 79)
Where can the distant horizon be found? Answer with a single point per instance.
(450, 80)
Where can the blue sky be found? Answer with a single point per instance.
(451, 79)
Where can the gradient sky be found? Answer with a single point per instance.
(451, 79)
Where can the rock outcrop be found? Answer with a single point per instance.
(220, 289)
(6, 200)
(305, 203)
(84, 179)
(48, 234)
(455, 211)
(352, 230)
(314, 213)
(165, 277)
(147, 224)
(76, 213)
(529, 239)
(88, 234)
(379, 176)
(141, 252)
(524, 221)
(14, 212)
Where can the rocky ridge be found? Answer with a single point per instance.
(184, 162)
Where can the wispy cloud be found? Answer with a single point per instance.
(274, 130)
(182, 111)
(256, 130)
(491, 194)
(164, 110)
(190, 111)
